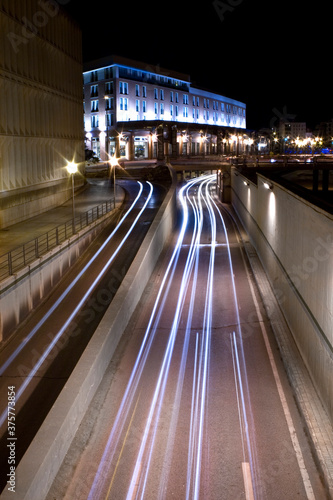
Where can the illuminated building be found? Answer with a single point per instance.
(292, 129)
(135, 110)
(41, 107)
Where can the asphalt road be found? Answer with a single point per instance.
(43, 351)
(196, 403)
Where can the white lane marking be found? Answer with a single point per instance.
(247, 481)
(292, 431)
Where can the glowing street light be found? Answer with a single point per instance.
(113, 163)
(71, 168)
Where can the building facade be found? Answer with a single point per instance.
(133, 110)
(41, 107)
(292, 129)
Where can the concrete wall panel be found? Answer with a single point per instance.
(294, 241)
(23, 291)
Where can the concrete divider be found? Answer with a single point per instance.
(41, 462)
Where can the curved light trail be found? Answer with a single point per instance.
(82, 300)
(197, 206)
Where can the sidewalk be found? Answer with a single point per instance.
(95, 193)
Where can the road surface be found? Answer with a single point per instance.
(196, 403)
(43, 351)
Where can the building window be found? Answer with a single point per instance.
(94, 106)
(109, 103)
(176, 110)
(197, 101)
(171, 109)
(123, 104)
(96, 146)
(137, 90)
(185, 112)
(177, 98)
(144, 106)
(109, 119)
(155, 94)
(155, 108)
(137, 105)
(109, 88)
(162, 108)
(94, 121)
(108, 73)
(185, 99)
(144, 91)
(94, 76)
(162, 94)
(171, 96)
(94, 91)
(123, 88)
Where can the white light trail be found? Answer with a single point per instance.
(114, 436)
(186, 295)
(243, 382)
(11, 358)
(157, 400)
(52, 344)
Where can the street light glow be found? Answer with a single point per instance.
(113, 161)
(71, 167)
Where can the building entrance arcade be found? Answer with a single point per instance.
(151, 140)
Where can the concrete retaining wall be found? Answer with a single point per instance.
(23, 291)
(45, 455)
(294, 240)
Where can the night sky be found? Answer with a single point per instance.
(276, 56)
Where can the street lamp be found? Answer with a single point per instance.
(114, 162)
(72, 169)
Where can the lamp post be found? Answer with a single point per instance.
(72, 169)
(114, 162)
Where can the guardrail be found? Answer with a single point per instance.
(25, 254)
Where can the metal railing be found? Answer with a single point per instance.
(21, 256)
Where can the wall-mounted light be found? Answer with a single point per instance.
(268, 185)
(246, 183)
